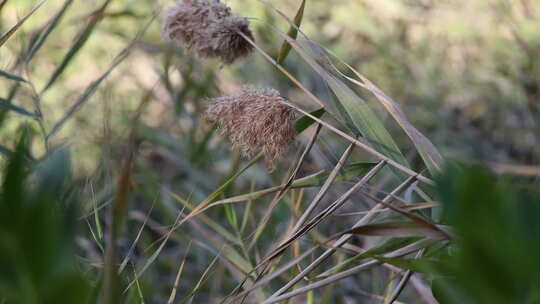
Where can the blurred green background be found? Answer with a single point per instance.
(466, 73)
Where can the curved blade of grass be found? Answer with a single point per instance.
(293, 32)
(431, 156)
(397, 167)
(347, 273)
(5, 104)
(202, 281)
(426, 149)
(11, 76)
(178, 275)
(208, 221)
(349, 173)
(44, 34)
(132, 247)
(92, 88)
(202, 205)
(5, 37)
(352, 110)
(397, 229)
(77, 45)
(293, 171)
(349, 107)
(387, 246)
(155, 255)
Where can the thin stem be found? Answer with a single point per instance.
(340, 241)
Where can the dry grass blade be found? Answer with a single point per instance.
(342, 240)
(12, 31)
(204, 205)
(202, 280)
(157, 252)
(417, 206)
(398, 229)
(327, 211)
(132, 247)
(178, 275)
(208, 221)
(349, 173)
(414, 217)
(324, 189)
(350, 272)
(317, 219)
(283, 70)
(284, 190)
(367, 148)
(274, 274)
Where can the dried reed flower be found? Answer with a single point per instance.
(208, 28)
(255, 120)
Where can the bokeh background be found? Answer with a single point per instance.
(466, 73)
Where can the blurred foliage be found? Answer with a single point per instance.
(95, 76)
(495, 255)
(37, 233)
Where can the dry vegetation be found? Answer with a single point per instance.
(269, 151)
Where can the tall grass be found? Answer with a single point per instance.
(152, 205)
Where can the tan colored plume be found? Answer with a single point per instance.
(255, 120)
(208, 28)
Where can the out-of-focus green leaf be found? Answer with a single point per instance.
(37, 233)
(495, 256)
(77, 45)
(305, 122)
(12, 31)
(44, 34)
(293, 33)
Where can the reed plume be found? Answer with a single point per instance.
(255, 120)
(208, 28)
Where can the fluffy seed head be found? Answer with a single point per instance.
(255, 120)
(208, 28)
